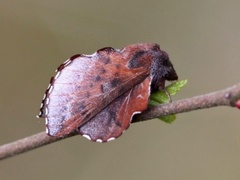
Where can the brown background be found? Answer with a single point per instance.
(203, 41)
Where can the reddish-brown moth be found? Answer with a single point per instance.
(97, 95)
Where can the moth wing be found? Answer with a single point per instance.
(83, 86)
(114, 119)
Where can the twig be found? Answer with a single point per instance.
(226, 97)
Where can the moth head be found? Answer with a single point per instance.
(166, 67)
(161, 70)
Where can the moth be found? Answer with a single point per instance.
(97, 95)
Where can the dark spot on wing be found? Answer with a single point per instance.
(91, 85)
(106, 60)
(81, 107)
(115, 82)
(87, 95)
(103, 70)
(113, 117)
(118, 66)
(98, 78)
(136, 62)
(107, 87)
(63, 118)
(118, 123)
(64, 108)
(78, 87)
(112, 114)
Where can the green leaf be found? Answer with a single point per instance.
(160, 97)
(173, 88)
(168, 119)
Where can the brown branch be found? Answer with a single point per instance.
(226, 97)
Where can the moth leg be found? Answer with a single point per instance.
(168, 95)
(163, 88)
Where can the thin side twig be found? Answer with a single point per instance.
(226, 97)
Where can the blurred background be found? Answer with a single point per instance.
(202, 39)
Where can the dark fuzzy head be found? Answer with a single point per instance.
(162, 70)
